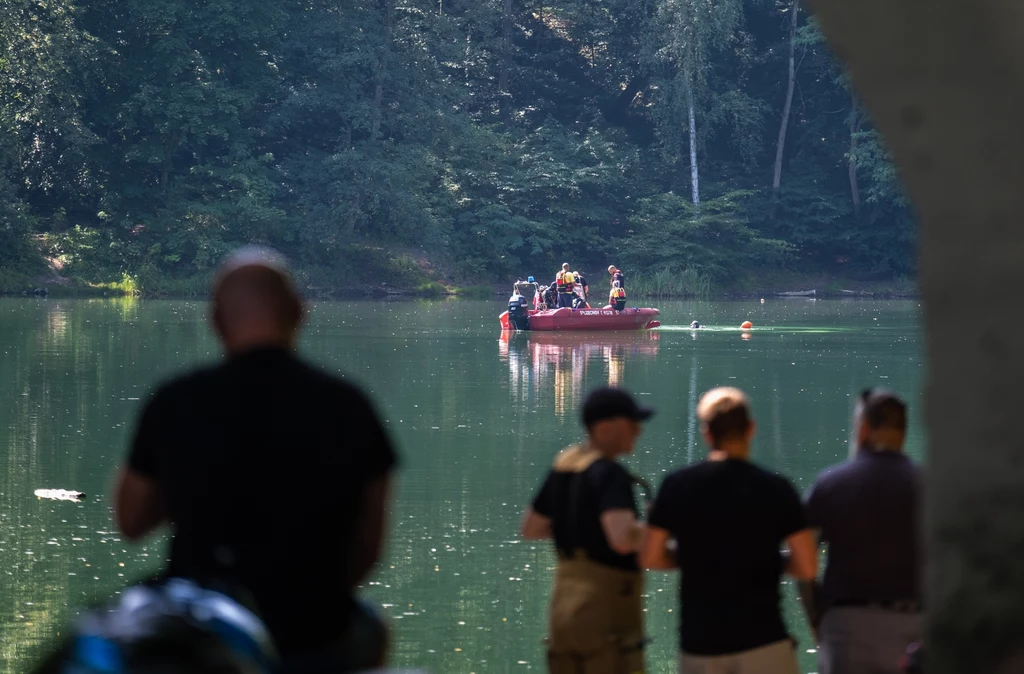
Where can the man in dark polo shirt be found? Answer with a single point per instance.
(272, 475)
(586, 504)
(867, 510)
(729, 519)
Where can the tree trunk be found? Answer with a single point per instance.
(854, 130)
(780, 145)
(694, 182)
(382, 69)
(506, 37)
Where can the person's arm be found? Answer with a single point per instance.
(535, 527)
(379, 461)
(803, 555)
(809, 590)
(654, 552)
(623, 531)
(368, 541)
(537, 523)
(139, 506)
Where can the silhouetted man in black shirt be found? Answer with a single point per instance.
(272, 475)
(729, 519)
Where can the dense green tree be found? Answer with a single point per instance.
(488, 138)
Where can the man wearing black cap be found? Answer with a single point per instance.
(867, 511)
(730, 518)
(227, 456)
(586, 505)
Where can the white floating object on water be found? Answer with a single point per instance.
(59, 494)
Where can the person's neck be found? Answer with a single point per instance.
(882, 441)
(256, 342)
(881, 448)
(730, 450)
(606, 452)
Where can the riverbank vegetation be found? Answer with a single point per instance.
(395, 144)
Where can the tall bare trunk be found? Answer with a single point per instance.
(855, 121)
(506, 37)
(694, 181)
(780, 146)
(377, 117)
(382, 70)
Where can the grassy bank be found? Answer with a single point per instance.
(374, 273)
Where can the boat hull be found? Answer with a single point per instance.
(565, 319)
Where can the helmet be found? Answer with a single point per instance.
(176, 626)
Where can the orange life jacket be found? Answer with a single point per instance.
(564, 285)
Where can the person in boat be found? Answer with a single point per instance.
(617, 297)
(586, 505)
(550, 296)
(565, 283)
(207, 441)
(616, 275)
(581, 284)
(695, 325)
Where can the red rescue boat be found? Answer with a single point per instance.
(581, 319)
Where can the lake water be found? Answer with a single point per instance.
(477, 418)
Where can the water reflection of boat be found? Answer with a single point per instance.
(562, 361)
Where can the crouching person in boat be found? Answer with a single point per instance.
(586, 505)
(617, 297)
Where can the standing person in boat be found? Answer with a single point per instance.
(868, 511)
(565, 282)
(586, 505)
(616, 275)
(225, 457)
(729, 519)
(582, 284)
(617, 297)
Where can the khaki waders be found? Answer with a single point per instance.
(596, 616)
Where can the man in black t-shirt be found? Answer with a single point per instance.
(729, 519)
(868, 512)
(586, 505)
(272, 475)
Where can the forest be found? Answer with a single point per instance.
(388, 143)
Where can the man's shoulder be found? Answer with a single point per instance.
(770, 479)
(860, 468)
(606, 468)
(685, 474)
(185, 384)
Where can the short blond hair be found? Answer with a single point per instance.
(724, 413)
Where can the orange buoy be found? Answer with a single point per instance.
(746, 325)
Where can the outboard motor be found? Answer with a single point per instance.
(518, 318)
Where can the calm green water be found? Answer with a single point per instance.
(478, 420)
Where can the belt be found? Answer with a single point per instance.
(900, 606)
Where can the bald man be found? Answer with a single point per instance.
(272, 475)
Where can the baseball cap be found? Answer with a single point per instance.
(612, 403)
